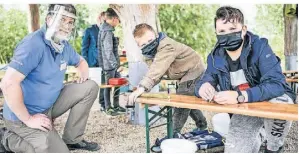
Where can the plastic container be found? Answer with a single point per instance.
(178, 146)
(130, 113)
(117, 81)
(95, 74)
(220, 123)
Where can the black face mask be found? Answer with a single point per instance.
(230, 42)
(150, 49)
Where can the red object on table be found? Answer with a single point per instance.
(244, 87)
(117, 81)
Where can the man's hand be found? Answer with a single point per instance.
(39, 121)
(206, 91)
(83, 71)
(135, 95)
(226, 97)
(83, 76)
(120, 69)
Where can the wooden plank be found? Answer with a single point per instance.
(259, 109)
(71, 72)
(2, 73)
(110, 86)
(290, 72)
(292, 80)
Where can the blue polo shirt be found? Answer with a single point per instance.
(44, 69)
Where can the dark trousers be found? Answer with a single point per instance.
(108, 75)
(181, 115)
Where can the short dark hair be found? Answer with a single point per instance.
(110, 13)
(229, 14)
(141, 28)
(68, 7)
(102, 14)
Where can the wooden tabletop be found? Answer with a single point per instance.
(259, 109)
(2, 73)
(111, 86)
(292, 80)
(290, 72)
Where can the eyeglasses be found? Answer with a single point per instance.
(68, 23)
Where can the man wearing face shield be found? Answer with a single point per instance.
(35, 94)
(243, 69)
(165, 56)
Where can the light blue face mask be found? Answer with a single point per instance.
(58, 47)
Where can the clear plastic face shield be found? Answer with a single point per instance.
(61, 25)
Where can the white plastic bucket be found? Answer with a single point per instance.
(95, 74)
(178, 146)
(220, 123)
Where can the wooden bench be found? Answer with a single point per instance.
(258, 109)
(292, 79)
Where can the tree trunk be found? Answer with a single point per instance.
(33, 22)
(130, 16)
(290, 36)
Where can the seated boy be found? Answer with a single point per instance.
(244, 69)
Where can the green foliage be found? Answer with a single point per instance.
(193, 25)
(13, 27)
(81, 25)
(190, 24)
(270, 24)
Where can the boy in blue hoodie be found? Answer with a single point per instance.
(242, 68)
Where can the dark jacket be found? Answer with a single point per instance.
(108, 48)
(261, 68)
(89, 45)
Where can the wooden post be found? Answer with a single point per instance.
(130, 16)
(33, 14)
(291, 36)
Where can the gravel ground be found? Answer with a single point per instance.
(116, 136)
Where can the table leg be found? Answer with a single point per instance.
(112, 93)
(66, 77)
(147, 129)
(169, 123)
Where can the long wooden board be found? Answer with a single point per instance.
(258, 109)
(2, 73)
(290, 72)
(292, 80)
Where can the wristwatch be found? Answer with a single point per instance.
(240, 98)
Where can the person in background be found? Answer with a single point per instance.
(109, 60)
(90, 50)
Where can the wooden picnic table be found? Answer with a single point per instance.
(258, 109)
(290, 72)
(2, 73)
(68, 72)
(291, 80)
